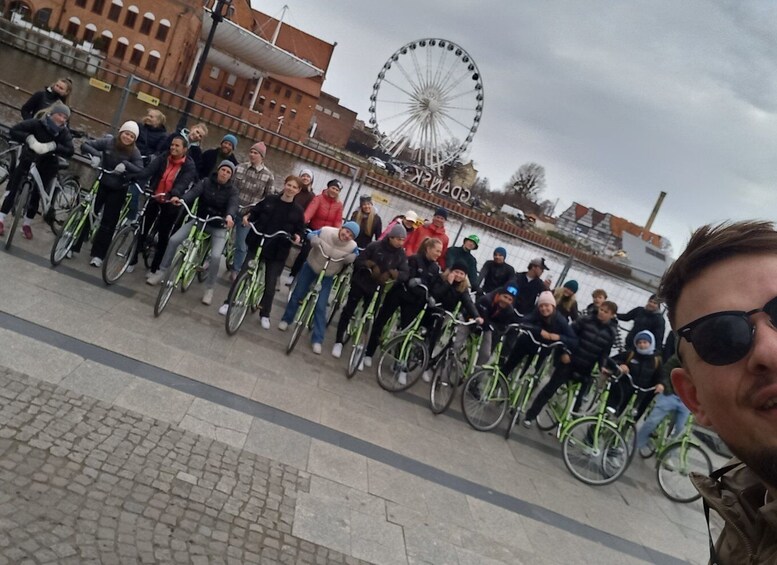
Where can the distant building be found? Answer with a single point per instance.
(332, 122)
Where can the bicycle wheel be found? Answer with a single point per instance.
(630, 437)
(119, 254)
(7, 160)
(546, 419)
(64, 200)
(300, 320)
(401, 363)
(674, 466)
(359, 347)
(336, 303)
(204, 262)
(148, 246)
(256, 297)
(191, 270)
(595, 453)
(66, 239)
(168, 285)
(238, 299)
(19, 206)
(444, 382)
(484, 399)
(648, 450)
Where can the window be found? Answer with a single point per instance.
(152, 61)
(145, 25)
(293, 113)
(137, 54)
(114, 12)
(231, 79)
(282, 110)
(287, 94)
(81, 3)
(89, 32)
(266, 85)
(98, 6)
(327, 111)
(72, 28)
(262, 99)
(42, 18)
(272, 104)
(214, 72)
(162, 30)
(104, 42)
(319, 108)
(335, 115)
(121, 48)
(298, 98)
(277, 89)
(132, 17)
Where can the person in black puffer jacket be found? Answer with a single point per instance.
(409, 297)
(647, 317)
(217, 197)
(380, 262)
(59, 91)
(496, 273)
(595, 340)
(152, 135)
(643, 363)
(44, 140)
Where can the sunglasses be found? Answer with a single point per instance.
(726, 337)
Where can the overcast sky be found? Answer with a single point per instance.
(617, 100)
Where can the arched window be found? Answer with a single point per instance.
(121, 48)
(132, 16)
(42, 18)
(272, 104)
(152, 61)
(145, 25)
(115, 10)
(98, 6)
(282, 109)
(89, 32)
(162, 30)
(137, 54)
(73, 25)
(103, 43)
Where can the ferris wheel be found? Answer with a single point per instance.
(427, 101)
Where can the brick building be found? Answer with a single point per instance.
(333, 122)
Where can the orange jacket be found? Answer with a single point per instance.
(418, 235)
(324, 211)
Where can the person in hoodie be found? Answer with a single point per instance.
(325, 210)
(43, 140)
(546, 325)
(409, 297)
(336, 243)
(173, 170)
(643, 363)
(595, 340)
(119, 155)
(496, 272)
(58, 91)
(647, 317)
(218, 197)
(305, 196)
(380, 262)
(212, 158)
(153, 134)
(435, 229)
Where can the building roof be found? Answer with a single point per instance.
(617, 225)
(249, 51)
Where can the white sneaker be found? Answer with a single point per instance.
(223, 309)
(337, 350)
(69, 255)
(156, 278)
(96, 262)
(265, 322)
(317, 348)
(283, 326)
(288, 280)
(528, 424)
(130, 268)
(427, 376)
(402, 378)
(367, 362)
(207, 298)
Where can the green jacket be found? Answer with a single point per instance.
(461, 255)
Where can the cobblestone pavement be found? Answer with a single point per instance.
(85, 482)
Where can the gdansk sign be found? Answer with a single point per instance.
(431, 182)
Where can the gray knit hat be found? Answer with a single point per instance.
(397, 230)
(59, 108)
(228, 164)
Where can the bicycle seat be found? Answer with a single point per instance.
(62, 163)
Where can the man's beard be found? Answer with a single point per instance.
(763, 463)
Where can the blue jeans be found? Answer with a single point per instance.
(305, 279)
(218, 239)
(241, 249)
(665, 404)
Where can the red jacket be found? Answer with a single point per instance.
(324, 211)
(418, 235)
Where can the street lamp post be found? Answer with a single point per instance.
(217, 15)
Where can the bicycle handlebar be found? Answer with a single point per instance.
(206, 219)
(550, 345)
(268, 235)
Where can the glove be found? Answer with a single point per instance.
(120, 168)
(431, 302)
(393, 273)
(49, 147)
(414, 282)
(31, 141)
(356, 251)
(95, 161)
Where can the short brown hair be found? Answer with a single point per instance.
(295, 178)
(610, 305)
(599, 292)
(712, 244)
(427, 243)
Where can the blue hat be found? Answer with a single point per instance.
(232, 139)
(647, 335)
(353, 227)
(501, 251)
(571, 285)
(441, 212)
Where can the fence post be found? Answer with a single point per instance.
(125, 93)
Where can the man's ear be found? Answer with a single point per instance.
(686, 390)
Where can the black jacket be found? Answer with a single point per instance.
(105, 147)
(528, 291)
(448, 296)
(426, 271)
(497, 317)
(43, 134)
(645, 370)
(460, 255)
(595, 341)
(40, 101)
(364, 238)
(495, 275)
(215, 199)
(187, 174)
(210, 160)
(374, 265)
(556, 324)
(644, 320)
(151, 140)
(271, 215)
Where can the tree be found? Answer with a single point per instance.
(527, 182)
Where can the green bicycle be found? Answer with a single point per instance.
(248, 288)
(339, 293)
(188, 260)
(358, 331)
(452, 367)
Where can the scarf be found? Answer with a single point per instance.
(168, 176)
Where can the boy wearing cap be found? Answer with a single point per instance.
(496, 309)
(435, 229)
(218, 197)
(496, 272)
(254, 181)
(380, 262)
(464, 255)
(43, 140)
(530, 285)
(213, 157)
(566, 303)
(337, 243)
(370, 224)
